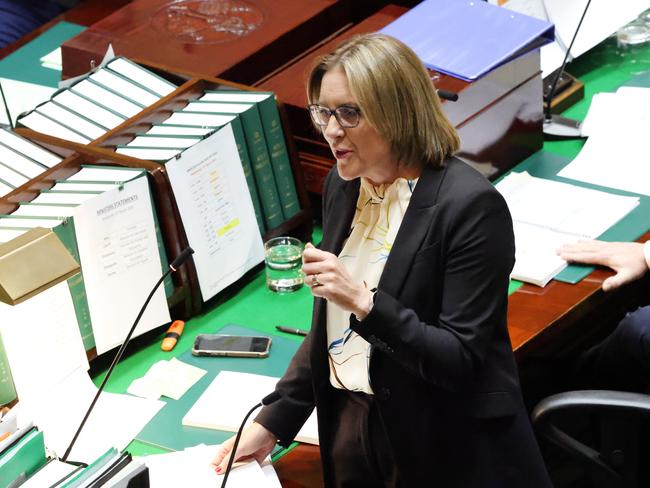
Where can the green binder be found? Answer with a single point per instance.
(268, 109)
(23, 459)
(7, 389)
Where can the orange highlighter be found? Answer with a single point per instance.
(172, 335)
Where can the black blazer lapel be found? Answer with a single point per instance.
(412, 231)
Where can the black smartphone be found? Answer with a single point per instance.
(231, 345)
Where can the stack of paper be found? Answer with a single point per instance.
(52, 381)
(547, 214)
(225, 402)
(615, 155)
(191, 468)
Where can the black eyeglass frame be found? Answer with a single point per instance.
(335, 113)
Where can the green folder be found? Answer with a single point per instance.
(22, 459)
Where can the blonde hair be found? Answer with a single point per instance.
(395, 95)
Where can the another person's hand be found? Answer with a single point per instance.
(626, 258)
(256, 442)
(327, 278)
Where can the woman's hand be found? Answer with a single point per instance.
(626, 258)
(256, 442)
(327, 278)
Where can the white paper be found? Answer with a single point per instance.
(11, 177)
(224, 403)
(21, 97)
(603, 18)
(7, 235)
(198, 119)
(20, 163)
(40, 123)
(50, 474)
(217, 107)
(542, 224)
(119, 255)
(234, 97)
(72, 186)
(164, 130)
(106, 98)
(602, 112)
(104, 174)
(49, 198)
(123, 86)
(53, 60)
(42, 341)
(148, 153)
(160, 142)
(167, 378)
(42, 210)
(141, 76)
(114, 422)
(191, 468)
(88, 109)
(29, 149)
(615, 154)
(71, 120)
(29, 223)
(217, 212)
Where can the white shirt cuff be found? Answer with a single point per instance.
(646, 252)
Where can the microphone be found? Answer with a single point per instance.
(447, 95)
(555, 125)
(267, 400)
(182, 257)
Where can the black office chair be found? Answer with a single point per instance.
(619, 418)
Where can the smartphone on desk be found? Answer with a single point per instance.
(231, 345)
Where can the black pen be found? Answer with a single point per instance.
(290, 330)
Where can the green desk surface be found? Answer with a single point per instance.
(24, 64)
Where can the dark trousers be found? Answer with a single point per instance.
(360, 451)
(622, 360)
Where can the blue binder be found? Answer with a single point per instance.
(466, 39)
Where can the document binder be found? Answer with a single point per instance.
(467, 39)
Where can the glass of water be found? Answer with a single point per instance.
(283, 258)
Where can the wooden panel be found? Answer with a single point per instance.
(288, 27)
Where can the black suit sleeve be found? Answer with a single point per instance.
(478, 257)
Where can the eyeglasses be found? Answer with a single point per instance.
(346, 115)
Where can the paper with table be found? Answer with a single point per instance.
(224, 403)
(547, 214)
(217, 213)
(190, 467)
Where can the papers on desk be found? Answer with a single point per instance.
(169, 378)
(224, 403)
(191, 468)
(615, 155)
(547, 214)
(603, 18)
(218, 216)
(52, 380)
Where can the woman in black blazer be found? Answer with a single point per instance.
(408, 360)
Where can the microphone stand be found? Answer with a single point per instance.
(555, 125)
(267, 400)
(180, 259)
(4, 101)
